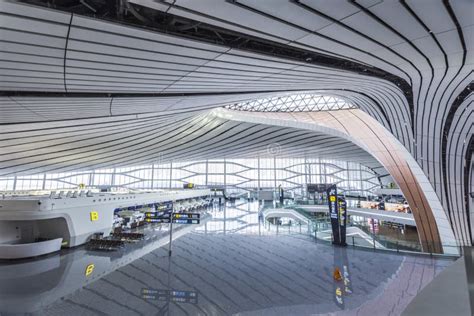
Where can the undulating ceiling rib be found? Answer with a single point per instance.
(98, 143)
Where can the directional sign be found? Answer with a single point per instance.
(186, 221)
(157, 220)
(186, 215)
(334, 213)
(157, 214)
(316, 187)
(342, 220)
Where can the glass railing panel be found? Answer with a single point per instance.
(319, 228)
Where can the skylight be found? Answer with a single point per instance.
(293, 103)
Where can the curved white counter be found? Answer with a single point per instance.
(18, 251)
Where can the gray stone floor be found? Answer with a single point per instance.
(230, 266)
(448, 294)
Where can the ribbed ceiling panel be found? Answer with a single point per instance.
(428, 44)
(94, 144)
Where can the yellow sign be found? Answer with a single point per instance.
(90, 269)
(94, 216)
(332, 198)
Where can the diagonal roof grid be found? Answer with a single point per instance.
(293, 103)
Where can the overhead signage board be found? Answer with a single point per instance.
(186, 215)
(157, 214)
(157, 220)
(177, 218)
(317, 187)
(175, 221)
(186, 221)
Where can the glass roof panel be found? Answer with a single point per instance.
(293, 103)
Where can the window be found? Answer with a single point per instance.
(236, 174)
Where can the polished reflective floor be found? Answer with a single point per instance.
(231, 265)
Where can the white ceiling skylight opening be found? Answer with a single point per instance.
(293, 103)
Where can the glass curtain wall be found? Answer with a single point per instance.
(236, 175)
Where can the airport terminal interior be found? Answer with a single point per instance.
(237, 157)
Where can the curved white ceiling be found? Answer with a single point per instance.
(130, 140)
(427, 43)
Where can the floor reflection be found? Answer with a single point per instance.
(232, 265)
